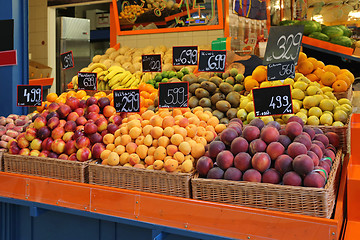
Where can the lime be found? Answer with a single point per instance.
(165, 80)
(179, 75)
(158, 77)
(165, 74)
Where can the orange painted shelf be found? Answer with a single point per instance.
(327, 45)
(187, 214)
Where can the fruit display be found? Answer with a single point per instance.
(295, 155)
(11, 126)
(68, 130)
(166, 140)
(131, 12)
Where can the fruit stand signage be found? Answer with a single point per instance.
(272, 101)
(281, 71)
(151, 63)
(87, 81)
(174, 95)
(67, 60)
(29, 95)
(127, 100)
(185, 55)
(283, 44)
(212, 61)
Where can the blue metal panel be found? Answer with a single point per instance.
(10, 76)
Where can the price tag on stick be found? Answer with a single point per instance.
(87, 81)
(174, 95)
(272, 101)
(127, 100)
(29, 95)
(151, 63)
(283, 44)
(67, 60)
(281, 71)
(212, 61)
(185, 56)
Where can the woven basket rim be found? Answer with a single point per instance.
(46, 159)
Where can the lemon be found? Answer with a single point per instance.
(279, 120)
(309, 102)
(347, 108)
(340, 116)
(335, 102)
(301, 85)
(326, 119)
(267, 119)
(277, 83)
(312, 90)
(325, 96)
(286, 117)
(297, 76)
(249, 106)
(303, 110)
(327, 89)
(337, 124)
(344, 101)
(249, 96)
(250, 116)
(265, 84)
(330, 95)
(297, 93)
(243, 102)
(296, 106)
(303, 116)
(316, 84)
(313, 120)
(242, 114)
(299, 102)
(329, 112)
(289, 81)
(315, 111)
(326, 105)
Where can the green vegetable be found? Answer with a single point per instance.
(346, 30)
(332, 31)
(342, 40)
(287, 22)
(310, 27)
(320, 36)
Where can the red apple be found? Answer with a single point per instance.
(92, 116)
(62, 123)
(103, 102)
(95, 138)
(34, 153)
(72, 116)
(57, 133)
(112, 128)
(67, 136)
(58, 146)
(63, 156)
(102, 124)
(77, 134)
(53, 122)
(63, 111)
(24, 151)
(82, 103)
(70, 126)
(80, 111)
(53, 155)
(91, 101)
(81, 120)
(97, 149)
(53, 107)
(90, 128)
(21, 140)
(93, 108)
(52, 114)
(46, 144)
(73, 103)
(116, 119)
(36, 144)
(70, 147)
(82, 142)
(39, 122)
(83, 154)
(44, 153)
(72, 157)
(43, 133)
(30, 134)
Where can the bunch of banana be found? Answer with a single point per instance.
(98, 68)
(146, 77)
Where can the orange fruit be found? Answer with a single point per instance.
(320, 64)
(302, 57)
(305, 67)
(259, 74)
(145, 94)
(149, 88)
(313, 61)
(250, 84)
(344, 77)
(328, 78)
(153, 95)
(148, 102)
(70, 94)
(142, 87)
(312, 77)
(332, 68)
(40, 108)
(349, 74)
(142, 101)
(339, 86)
(51, 97)
(80, 94)
(318, 72)
(100, 94)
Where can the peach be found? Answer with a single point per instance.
(108, 111)
(34, 144)
(148, 140)
(293, 129)
(147, 114)
(198, 150)
(125, 139)
(228, 135)
(334, 139)
(163, 141)
(296, 149)
(34, 152)
(182, 131)
(158, 164)
(134, 159)
(238, 145)
(274, 150)
(68, 136)
(42, 133)
(176, 139)
(215, 147)
(314, 179)
(252, 175)
(147, 130)
(139, 140)
(120, 149)
(168, 121)
(22, 142)
(322, 138)
(25, 152)
(215, 173)
(171, 150)
(124, 158)
(156, 132)
(131, 147)
(284, 140)
(168, 132)
(303, 164)
(184, 122)
(30, 134)
(185, 148)
(314, 157)
(171, 165)
(269, 134)
(135, 132)
(70, 147)
(187, 166)
(101, 123)
(257, 145)
(155, 143)
(242, 161)
(151, 151)
(105, 154)
(283, 163)
(142, 151)
(149, 160)
(296, 119)
(63, 156)
(261, 161)
(156, 121)
(251, 133)
(40, 122)
(292, 178)
(108, 139)
(81, 142)
(233, 174)
(179, 156)
(160, 153)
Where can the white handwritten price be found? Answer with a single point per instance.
(33, 96)
(68, 61)
(188, 56)
(89, 81)
(279, 102)
(287, 69)
(285, 44)
(177, 96)
(130, 102)
(217, 62)
(155, 65)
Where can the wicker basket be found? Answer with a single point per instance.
(47, 167)
(317, 202)
(2, 151)
(173, 184)
(347, 94)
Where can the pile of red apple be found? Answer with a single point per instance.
(11, 126)
(72, 131)
(295, 155)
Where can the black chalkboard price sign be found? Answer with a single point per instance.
(29, 95)
(272, 100)
(185, 55)
(280, 71)
(212, 61)
(283, 44)
(127, 100)
(67, 60)
(174, 95)
(87, 81)
(151, 63)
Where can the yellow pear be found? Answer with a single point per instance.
(337, 124)
(304, 79)
(249, 106)
(250, 116)
(289, 81)
(303, 110)
(243, 102)
(344, 101)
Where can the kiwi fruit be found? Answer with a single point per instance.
(234, 99)
(193, 102)
(231, 113)
(205, 102)
(217, 97)
(226, 74)
(230, 80)
(218, 114)
(224, 120)
(216, 80)
(223, 106)
(209, 86)
(207, 109)
(226, 88)
(201, 93)
(193, 87)
(201, 80)
(151, 107)
(156, 102)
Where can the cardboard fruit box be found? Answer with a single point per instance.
(38, 70)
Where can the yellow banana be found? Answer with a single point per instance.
(107, 87)
(115, 86)
(85, 70)
(135, 83)
(126, 79)
(117, 78)
(128, 84)
(101, 85)
(113, 73)
(74, 80)
(97, 65)
(101, 78)
(116, 68)
(98, 70)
